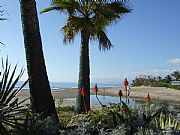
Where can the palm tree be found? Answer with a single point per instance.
(176, 75)
(168, 78)
(90, 19)
(40, 92)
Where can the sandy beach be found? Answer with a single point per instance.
(159, 93)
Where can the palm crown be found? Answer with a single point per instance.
(91, 16)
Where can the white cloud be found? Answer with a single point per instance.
(174, 61)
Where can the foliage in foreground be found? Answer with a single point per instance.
(65, 114)
(121, 120)
(15, 117)
(11, 109)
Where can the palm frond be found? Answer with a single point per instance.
(2, 43)
(3, 19)
(73, 26)
(2, 13)
(119, 8)
(109, 13)
(69, 31)
(49, 9)
(69, 34)
(104, 42)
(66, 6)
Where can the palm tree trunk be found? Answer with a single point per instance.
(40, 92)
(84, 73)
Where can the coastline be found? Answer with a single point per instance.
(139, 93)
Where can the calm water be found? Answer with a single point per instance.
(67, 85)
(106, 100)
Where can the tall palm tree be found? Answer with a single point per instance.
(40, 92)
(90, 19)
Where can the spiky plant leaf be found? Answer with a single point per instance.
(11, 108)
(127, 109)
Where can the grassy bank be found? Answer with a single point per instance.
(176, 87)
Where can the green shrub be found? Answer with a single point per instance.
(176, 87)
(143, 119)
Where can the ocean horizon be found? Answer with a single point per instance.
(71, 85)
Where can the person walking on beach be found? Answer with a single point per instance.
(126, 83)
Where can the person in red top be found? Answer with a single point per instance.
(126, 83)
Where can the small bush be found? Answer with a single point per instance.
(65, 108)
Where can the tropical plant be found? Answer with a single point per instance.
(90, 19)
(40, 92)
(106, 118)
(142, 120)
(34, 124)
(166, 121)
(168, 78)
(162, 117)
(102, 119)
(159, 78)
(11, 109)
(176, 74)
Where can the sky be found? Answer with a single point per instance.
(146, 41)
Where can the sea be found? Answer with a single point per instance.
(70, 85)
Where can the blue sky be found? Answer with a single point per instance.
(145, 41)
